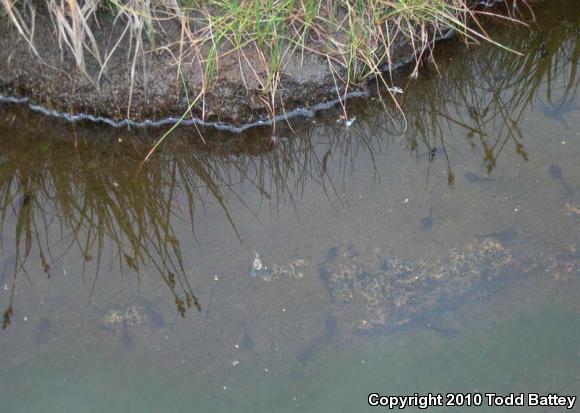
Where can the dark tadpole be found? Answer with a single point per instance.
(443, 331)
(364, 275)
(331, 256)
(385, 264)
(330, 330)
(156, 320)
(556, 173)
(42, 331)
(557, 110)
(324, 274)
(427, 221)
(8, 268)
(330, 326)
(247, 341)
(432, 153)
(126, 339)
(505, 235)
(473, 112)
(476, 179)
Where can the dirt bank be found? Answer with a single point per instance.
(163, 87)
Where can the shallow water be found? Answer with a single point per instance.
(130, 286)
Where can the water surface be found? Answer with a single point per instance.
(129, 287)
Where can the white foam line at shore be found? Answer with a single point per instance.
(299, 112)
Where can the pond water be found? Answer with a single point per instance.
(436, 252)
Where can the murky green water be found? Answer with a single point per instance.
(435, 253)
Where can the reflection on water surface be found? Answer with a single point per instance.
(257, 271)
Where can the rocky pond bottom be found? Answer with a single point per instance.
(303, 273)
(377, 293)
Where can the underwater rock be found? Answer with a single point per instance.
(130, 316)
(565, 265)
(294, 269)
(123, 320)
(572, 210)
(397, 290)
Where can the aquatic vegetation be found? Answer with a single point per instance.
(386, 292)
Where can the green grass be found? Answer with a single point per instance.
(354, 35)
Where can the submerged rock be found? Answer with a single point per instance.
(565, 265)
(123, 320)
(295, 269)
(116, 319)
(130, 316)
(396, 290)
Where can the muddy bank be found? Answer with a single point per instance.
(53, 81)
(163, 88)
